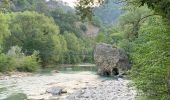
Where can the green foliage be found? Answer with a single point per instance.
(147, 40)
(100, 37)
(29, 63)
(73, 46)
(21, 62)
(6, 63)
(84, 9)
(130, 21)
(96, 21)
(161, 7)
(40, 25)
(86, 48)
(16, 60)
(66, 21)
(110, 36)
(4, 31)
(150, 58)
(108, 12)
(4, 6)
(33, 31)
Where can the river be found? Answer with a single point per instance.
(80, 82)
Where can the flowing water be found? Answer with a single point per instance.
(72, 78)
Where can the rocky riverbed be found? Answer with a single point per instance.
(79, 86)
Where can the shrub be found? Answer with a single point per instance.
(6, 63)
(16, 60)
(29, 63)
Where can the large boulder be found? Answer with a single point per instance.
(110, 60)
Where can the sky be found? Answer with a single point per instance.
(70, 2)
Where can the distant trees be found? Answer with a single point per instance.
(131, 20)
(4, 33)
(42, 34)
(32, 31)
(66, 21)
(108, 12)
(73, 44)
(161, 7)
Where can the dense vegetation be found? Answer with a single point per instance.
(143, 31)
(38, 33)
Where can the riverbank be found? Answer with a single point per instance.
(15, 74)
(54, 67)
(79, 86)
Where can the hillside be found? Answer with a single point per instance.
(108, 12)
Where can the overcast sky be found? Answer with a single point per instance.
(70, 2)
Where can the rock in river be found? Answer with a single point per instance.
(110, 60)
(56, 90)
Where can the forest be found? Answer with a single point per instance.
(37, 34)
(143, 30)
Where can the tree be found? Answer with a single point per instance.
(161, 7)
(73, 46)
(130, 21)
(66, 21)
(33, 31)
(151, 59)
(150, 45)
(4, 6)
(5, 32)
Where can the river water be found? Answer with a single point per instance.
(80, 82)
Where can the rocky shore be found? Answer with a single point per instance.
(79, 86)
(104, 90)
(11, 75)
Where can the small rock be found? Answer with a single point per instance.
(120, 76)
(84, 88)
(55, 90)
(55, 71)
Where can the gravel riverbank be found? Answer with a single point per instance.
(79, 86)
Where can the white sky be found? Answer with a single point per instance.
(70, 2)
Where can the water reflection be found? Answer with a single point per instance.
(69, 69)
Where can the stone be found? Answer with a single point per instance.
(110, 60)
(55, 71)
(56, 90)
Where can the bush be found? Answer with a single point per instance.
(16, 60)
(29, 63)
(6, 63)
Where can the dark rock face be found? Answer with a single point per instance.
(110, 60)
